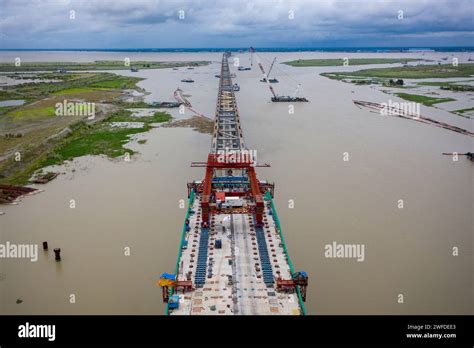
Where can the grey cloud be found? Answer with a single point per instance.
(47, 21)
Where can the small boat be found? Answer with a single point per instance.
(175, 68)
(45, 178)
(187, 80)
(190, 68)
(165, 104)
(218, 76)
(241, 68)
(269, 80)
(134, 69)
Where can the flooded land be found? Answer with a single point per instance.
(116, 209)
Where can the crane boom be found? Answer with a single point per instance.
(266, 79)
(271, 90)
(265, 76)
(251, 50)
(271, 66)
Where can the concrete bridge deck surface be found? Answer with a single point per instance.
(235, 287)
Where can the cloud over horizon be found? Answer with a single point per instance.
(232, 23)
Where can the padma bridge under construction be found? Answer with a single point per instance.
(232, 257)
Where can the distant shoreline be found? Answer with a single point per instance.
(262, 49)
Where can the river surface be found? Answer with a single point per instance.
(134, 206)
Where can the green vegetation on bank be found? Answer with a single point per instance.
(456, 86)
(96, 65)
(5, 109)
(91, 139)
(434, 84)
(101, 141)
(84, 82)
(126, 116)
(409, 72)
(351, 61)
(103, 138)
(29, 113)
(464, 111)
(41, 137)
(134, 105)
(428, 101)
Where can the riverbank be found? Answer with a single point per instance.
(126, 64)
(450, 83)
(347, 61)
(34, 135)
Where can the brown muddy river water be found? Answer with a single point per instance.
(134, 205)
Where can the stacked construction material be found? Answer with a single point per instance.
(200, 276)
(264, 258)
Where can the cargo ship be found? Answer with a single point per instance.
(232, 257)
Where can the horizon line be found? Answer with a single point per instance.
(233, 48)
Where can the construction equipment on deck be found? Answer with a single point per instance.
(166, 282)
(173, 302)
(301, 280)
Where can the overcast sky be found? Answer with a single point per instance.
(233, 23)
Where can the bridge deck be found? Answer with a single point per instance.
(234, 286)
(238, 277)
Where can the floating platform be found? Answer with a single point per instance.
(165, 104)
(286, 99)
(269, 80)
